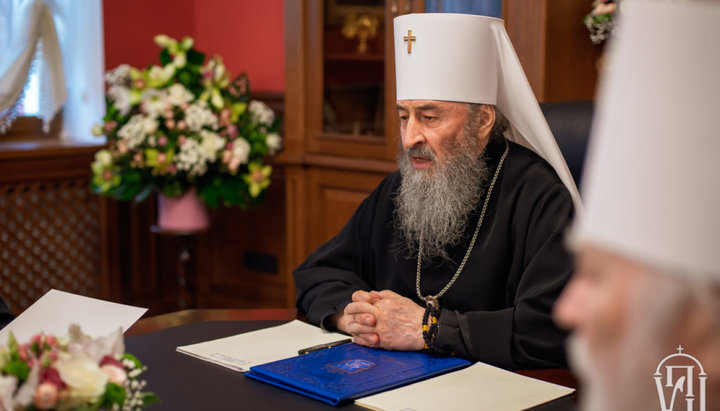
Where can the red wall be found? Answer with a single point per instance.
(248, 34)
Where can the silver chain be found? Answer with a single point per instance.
(433, 299)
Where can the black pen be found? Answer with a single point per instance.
(323, 346)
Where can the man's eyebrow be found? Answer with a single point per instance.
(399, 107)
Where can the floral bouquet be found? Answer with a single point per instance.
(184, 125)
(601, 20)
(75, 372)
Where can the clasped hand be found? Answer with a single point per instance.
(383, 319)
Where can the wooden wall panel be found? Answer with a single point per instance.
(553, 47)
(333, 197)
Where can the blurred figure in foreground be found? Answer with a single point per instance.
(644, 304)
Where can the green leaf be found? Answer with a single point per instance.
(17, 368)
(211, 196)
(149, 398)
(114, 394)
(165, 57)
(195, 57)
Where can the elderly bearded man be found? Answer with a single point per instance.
(460, 251)
(645, 302)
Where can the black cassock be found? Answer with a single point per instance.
(499, 309)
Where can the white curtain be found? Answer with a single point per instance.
(31, 27)
(72, 64)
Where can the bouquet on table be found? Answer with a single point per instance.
(600, 22)
(75, 372)
(181, 125)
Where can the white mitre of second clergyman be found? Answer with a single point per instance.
(469, 58)
(651, 185)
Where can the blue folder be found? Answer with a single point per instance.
(344, 373)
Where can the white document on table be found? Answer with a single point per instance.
(478, 387)
(54, 312)
(242, 351)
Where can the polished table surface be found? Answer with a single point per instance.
(183, 382)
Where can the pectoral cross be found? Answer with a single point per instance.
(409, 38)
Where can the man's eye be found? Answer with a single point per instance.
(429, 118)
(404, 119)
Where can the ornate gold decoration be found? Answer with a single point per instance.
(362, 27)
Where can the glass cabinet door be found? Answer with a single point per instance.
(353, 80)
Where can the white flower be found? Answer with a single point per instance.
(177, 95)
(134, 131)
(96, 348)
(211, 144)
(274, 143)
(191, 158)
(261, 112)
(26, 392)
(198, 116)
(98, 130)
(154, 102)
(121, 96)
(118, 76)
(150, 125)
(240, 153)
(7, 388)
(82, 375)
(104, 158)
(157, 76)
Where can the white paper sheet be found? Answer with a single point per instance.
(242, 351)
(56, 310)
(479, 387)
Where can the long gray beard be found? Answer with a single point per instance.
(432, 207)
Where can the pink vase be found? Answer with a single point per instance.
(184, 213)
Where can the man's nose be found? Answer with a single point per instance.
(414, 135)
(570, 308)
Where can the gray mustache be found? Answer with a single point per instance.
(421, 151)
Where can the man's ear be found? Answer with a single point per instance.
(487, 120)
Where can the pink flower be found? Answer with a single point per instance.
(50, 339)
(115, 374)
(46, 396)
(162, 140)
(181, 125)
(181, 139)
(170, 123)
(232, 131)
(161, 158)
(226, 156)
(52, 376)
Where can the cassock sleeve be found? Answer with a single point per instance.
(326, 280)
(524, 335)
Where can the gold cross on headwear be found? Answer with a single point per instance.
(409, 38)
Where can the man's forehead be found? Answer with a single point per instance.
(428, 105)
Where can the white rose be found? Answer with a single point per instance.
(82, 375)
(240, 150)
(274, 142)
(150, 125)
(98, 130)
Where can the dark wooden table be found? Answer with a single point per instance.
(148, 327)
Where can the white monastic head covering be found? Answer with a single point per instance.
(651, 184)
(469, 58)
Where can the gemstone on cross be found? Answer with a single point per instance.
(409, 38)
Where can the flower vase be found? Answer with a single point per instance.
(184, 213)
